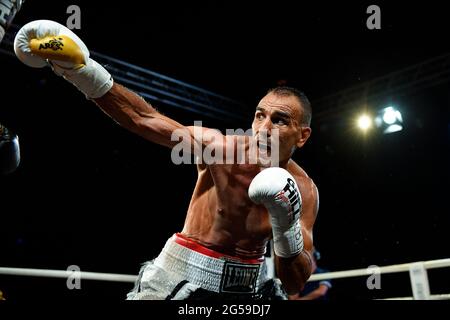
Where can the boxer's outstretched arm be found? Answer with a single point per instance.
(295, 271)
(44, 42)
(135, 114)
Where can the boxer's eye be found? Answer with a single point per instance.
(259, 116)
(280, 121)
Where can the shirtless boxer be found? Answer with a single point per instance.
(235, 208)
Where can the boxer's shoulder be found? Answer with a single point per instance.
(298, 172)
(307, 186)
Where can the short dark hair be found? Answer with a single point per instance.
(301, 96)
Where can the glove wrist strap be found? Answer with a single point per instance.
(92, 79)
(288, 243)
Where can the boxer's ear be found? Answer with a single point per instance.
(303, 136)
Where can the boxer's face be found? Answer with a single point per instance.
(283, 113)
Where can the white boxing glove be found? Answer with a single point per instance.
(43, 42)
(276, 189)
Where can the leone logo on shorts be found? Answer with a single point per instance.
(239, 278)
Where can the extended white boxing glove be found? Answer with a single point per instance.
(276, 189)
(43, 42)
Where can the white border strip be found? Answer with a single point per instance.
(445, 296)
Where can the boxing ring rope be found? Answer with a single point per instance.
(405, 267)
(419, 280)
(83, 275)
(431, 264)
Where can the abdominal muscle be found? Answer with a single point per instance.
(222, 217)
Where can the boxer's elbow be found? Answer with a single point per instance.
(294, 272)
(161, 130)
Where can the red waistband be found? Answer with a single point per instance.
(191, 244)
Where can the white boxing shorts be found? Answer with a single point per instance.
(186, 270)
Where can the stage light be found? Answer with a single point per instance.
(364, 122)
(389, 120)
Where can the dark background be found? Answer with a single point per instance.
(91, 194)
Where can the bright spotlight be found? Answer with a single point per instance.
(390, 120)
(364, 122)
(390, 115)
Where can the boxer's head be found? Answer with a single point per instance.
(288, 110)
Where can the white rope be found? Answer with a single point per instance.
(432, 264)
(67, 273)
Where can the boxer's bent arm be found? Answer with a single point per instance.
(135, 114)
(295, 271)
